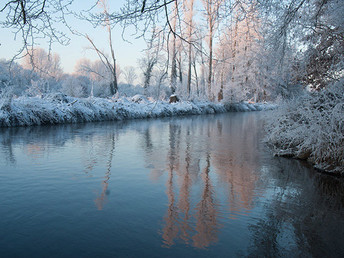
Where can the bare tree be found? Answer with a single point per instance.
(147, 63)
(32, 20)
(152, 54)
(110, 63)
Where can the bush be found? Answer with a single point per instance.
(312, 128)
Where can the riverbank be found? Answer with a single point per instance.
(58, 109)
(311, 128)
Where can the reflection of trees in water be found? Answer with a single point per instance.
(204, 149)
(305, 216)
(37, 141)
(97, 147)
(34, 140)
(155, 149)
(6, 146)
(199, 158)
(184, 196)
(236, 159)
(224, 155)
(206, 213)
(170, 231)
(102, 197)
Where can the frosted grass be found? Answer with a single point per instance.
(58, 108)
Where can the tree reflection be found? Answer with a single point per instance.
(194, 218)
(304, 217)
(6, 145)
(236, 161)
(102, 197)
(206, 213)
(170, 231)
(38, 142)
(184, 198)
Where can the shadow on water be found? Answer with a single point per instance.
(304, 217)
(224, 193)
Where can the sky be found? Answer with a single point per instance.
(126, 53)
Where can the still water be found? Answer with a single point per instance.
(201, 186)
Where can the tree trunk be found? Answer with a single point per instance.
(114, 87)
(180, 67)
(210, 60)
(190, 63)
(174, 54)
(195, 71)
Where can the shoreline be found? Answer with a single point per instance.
(55, 109)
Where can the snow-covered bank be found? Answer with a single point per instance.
(59, 108)
(312, 128)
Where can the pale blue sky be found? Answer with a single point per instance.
(126, 53)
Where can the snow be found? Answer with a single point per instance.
(57, 108)
(246, 106)
(312, 128)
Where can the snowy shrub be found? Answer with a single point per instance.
(76, 86)
(138, 98)
(4, 74)
(6, 95)
(312, 128)
(156, 92)
(35, 89)
(42, 86)
(101, 89)
(12, 74)
(129, 90)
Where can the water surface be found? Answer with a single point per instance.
(201, 186)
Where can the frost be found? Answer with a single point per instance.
(56, 108)
(312, 128)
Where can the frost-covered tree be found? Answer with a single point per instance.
(4, 73)
(129, 74)
(46, 65)
(95, 70)
(212, 15)
(307, 39)
(189, 11)
(12, 75)
(173, 54)
(324, 56)
(109, 62)
(147, 64)
(154, 63)
(100, 77)
(238, 56)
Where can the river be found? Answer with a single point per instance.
(199, 186)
